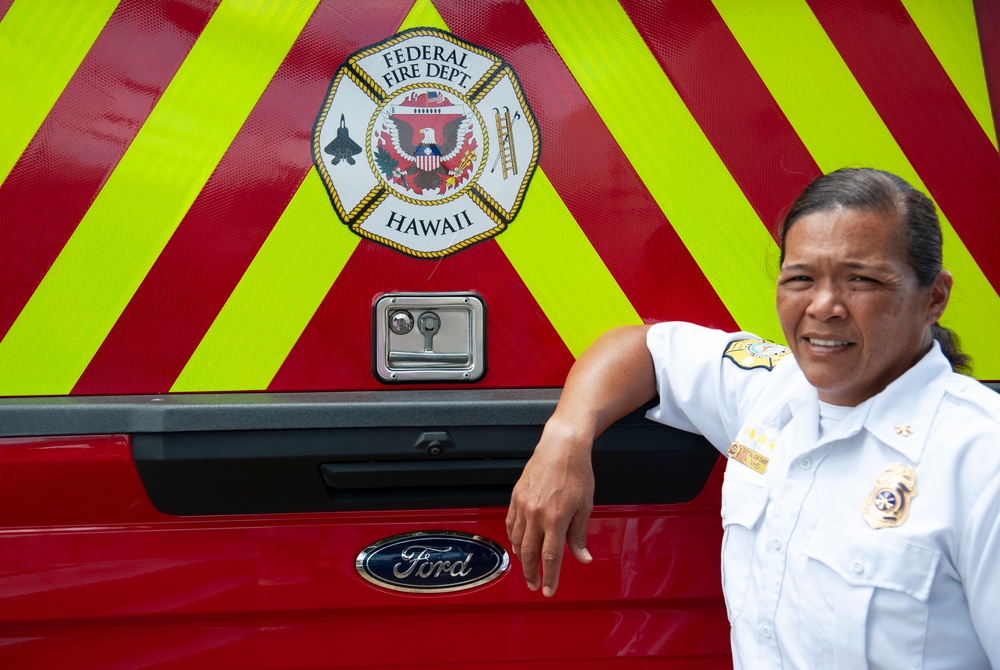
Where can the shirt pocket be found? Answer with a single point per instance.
(865, 595)
(743, 504)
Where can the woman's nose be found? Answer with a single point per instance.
(827, 303)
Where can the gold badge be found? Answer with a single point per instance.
(749, 354)
(888, 504)
(748, 457)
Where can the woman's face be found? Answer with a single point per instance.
(850, 305)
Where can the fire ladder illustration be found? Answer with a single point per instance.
(506, 157)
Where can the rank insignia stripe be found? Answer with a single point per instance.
(751, 354)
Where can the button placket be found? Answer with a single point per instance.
(783, 517)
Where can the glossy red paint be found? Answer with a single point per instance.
(92, 576)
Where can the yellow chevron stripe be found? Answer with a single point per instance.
(670, 152)
(950, 30)
(423, 13)
(554, 259)
(840, 127)
(41, 46)
(562, 269)
(275, 299)
(126, 228)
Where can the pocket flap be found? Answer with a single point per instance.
(743, 502)
(867, 557)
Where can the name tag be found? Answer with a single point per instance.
(748, 457)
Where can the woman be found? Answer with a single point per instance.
(861, 501)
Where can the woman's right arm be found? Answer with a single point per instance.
(554, 497)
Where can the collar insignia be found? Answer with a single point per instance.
(888, 503)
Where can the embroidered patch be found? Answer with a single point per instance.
(749, 354)
(888, 503)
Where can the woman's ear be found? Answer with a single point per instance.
(939, 293)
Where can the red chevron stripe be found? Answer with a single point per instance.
(925, 114)
(140, 49)
(988, 23)
(4, 6)
(729, 101)
(599, 186)
(237, 209)
(334, 352)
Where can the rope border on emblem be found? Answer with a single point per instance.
(429, 254)
(373, 199)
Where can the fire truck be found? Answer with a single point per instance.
(288, 290)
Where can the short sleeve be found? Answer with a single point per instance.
(701, 390)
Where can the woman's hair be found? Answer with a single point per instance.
(871, 190)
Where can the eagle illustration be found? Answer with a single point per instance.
(422, 144)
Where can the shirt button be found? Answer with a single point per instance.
(858, 567)
(805, 463)
(766, 632)
(776, 543)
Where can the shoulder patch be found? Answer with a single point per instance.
(749, 354)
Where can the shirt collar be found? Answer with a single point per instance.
(900, 416)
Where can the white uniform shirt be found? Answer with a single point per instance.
(809, 583)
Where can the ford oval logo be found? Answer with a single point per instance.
(435, 562)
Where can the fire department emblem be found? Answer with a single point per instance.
(749, 354)
(426, 143)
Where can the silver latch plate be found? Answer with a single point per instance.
(429, 337)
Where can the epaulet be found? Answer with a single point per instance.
(750, 354)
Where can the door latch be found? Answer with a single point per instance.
(429, 337)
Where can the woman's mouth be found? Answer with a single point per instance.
(818, 342)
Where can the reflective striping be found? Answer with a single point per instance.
(273, 303)
(949, 28)
(730, 103)
(85, 135)
(675, 94)
(670, 153)
(128, 225)
(229, 221)
(840, 127)
(619, 217)
(561, 269)
(40, 49)
(423, 13)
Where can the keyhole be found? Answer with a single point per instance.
(429, 324)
